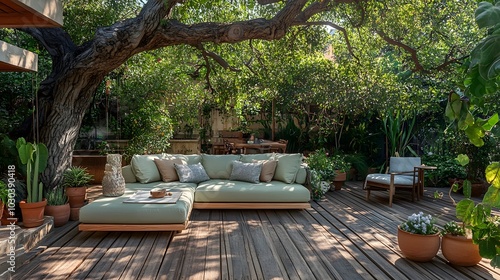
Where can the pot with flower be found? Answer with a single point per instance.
(457, 245)
(322, 171)
(341, 166)
(418, 238)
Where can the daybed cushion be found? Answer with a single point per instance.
(218, 166)
(236, 191)
(191, 173)
(167, 169)
(246, 172)
(128, 174)
(112, 210)
(145, 169)
(252, 157)
(287, 168)
(268, 169)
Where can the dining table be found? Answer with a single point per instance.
(260, 146)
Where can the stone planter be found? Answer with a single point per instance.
(459, 250)
(418, 247)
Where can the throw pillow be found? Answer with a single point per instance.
(191, 173)
(246, 172)
(288, 166)
(167, 169)
(128, 174)
(268, 169)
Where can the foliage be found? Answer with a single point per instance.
(453, 228)
(76, 176)
(481, 82)
(340, 163)
(420, 224)
(34, 156)
(399, 132)
(4, 192)
(359, 162)
(322, 165)
(447, 168)
(316, 191)
(56, 196)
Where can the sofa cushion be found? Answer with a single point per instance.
(167, 169)
(287, 168)
(189, 159)
(268, 169)
(218, 166)
(301, 174)
(191, 173)
(237, 191)
(252, 157)
(246, 172)
(128, 174)
(145, 169)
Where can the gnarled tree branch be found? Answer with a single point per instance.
(418, 66)
(339, 28)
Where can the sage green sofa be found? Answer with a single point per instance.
(285, 190)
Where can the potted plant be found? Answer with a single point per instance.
(34, 156)
(340, 166)
(457, 245)
(4, 195)
(321, 166)
(75, 180)
(57, 206)
(418, 237)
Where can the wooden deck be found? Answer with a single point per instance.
(341, 237)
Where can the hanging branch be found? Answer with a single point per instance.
(339, 28)
(413, 52)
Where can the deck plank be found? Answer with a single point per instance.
(343, 236)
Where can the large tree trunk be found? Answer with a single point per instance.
(63, 118)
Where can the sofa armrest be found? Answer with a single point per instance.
(302, 174)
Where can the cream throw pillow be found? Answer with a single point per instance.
(268, 169)
(167, 169)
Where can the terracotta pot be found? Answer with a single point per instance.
(32, 213)
(76, 196)
(459, 250)
(74, 214)
(418, 247)
(339, 180)
(59, 212)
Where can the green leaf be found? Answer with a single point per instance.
(487, 15)
(490, 122)
(495, 262)
(462, 159)
(493, 174)
(492, 196)
(487, 248)
(464, 210)
(467, 188)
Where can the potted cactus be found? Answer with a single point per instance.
(34, 156)
(57, 206)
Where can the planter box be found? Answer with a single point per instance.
(94, 163)
(184, 146)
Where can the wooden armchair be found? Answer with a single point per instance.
(402, 174)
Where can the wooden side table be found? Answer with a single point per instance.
(420, 178)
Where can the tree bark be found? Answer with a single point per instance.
(77, 71)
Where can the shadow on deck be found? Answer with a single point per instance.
(341, 237)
